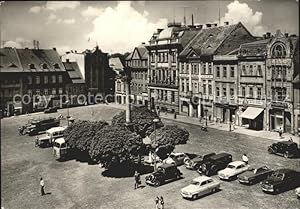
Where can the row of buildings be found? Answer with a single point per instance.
(220, 73)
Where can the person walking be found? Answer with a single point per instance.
(280, 132)
(42, 184)
(162, 203)
(291, 139)
(245, 158)
(37, 141)
(157, 200)
(137, 179)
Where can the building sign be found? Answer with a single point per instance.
(246, 102)
(281, 105)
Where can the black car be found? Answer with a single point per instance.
(195, 163)
(281, 180)
(37, 126)
(50, 110)
(164, 173)
(215, 163)
(288, 149)
(253, 176)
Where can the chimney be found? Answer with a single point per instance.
(208, 25)
(192, 20)
(75, 51)
(54, 49)
(67, 60)
(286, 35)
(226, 23)
(67, 52)
(268, 35)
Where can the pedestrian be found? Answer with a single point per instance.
(37, 141)
(42, 184)
(291, 139)
(280, 132)
(162, 203)
(137, 179)
(245, 158)
(157, 200)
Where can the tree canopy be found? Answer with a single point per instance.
(141, 118)
(114, 145)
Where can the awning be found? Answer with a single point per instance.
(251, 112)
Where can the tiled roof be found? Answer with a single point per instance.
(116, 64)
(74, 72)
(142, 51)
(208, 40)
(9, 60)
(255, 48)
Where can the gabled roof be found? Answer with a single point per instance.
(208, 40)
(9, 60)
(74, 72)
(255, 48)
(140, 50)
(116, 64)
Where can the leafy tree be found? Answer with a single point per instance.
(165, 139)
(114, 145)
(80, 134)
(141, 118)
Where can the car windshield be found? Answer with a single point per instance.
(231, 166)
(195, 183)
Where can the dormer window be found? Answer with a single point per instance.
(12, 65)
(31, 66)
(45, 66)
(209, 46)
(56, 66)
(278, 51)
(210, 35)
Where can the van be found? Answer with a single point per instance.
(60, 149)
(50, 136)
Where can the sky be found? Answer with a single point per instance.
(120, 26)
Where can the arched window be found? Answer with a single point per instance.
(279, 51)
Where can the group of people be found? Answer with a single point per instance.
(159, 202)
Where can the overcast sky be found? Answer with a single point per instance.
(120, 26)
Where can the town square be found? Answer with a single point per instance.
(197, 106)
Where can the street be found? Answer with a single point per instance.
(74, 184)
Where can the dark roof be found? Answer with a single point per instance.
(142, 51)
(208, 40)
(255, 48)
(74, 72)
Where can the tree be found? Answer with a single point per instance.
(141, 119)
(114, 145)
(80, 134)
(165, 139)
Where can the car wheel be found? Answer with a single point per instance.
(195, 196)
(157, 183)
(207, 173)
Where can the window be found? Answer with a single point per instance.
(187, 68)
(204, 68)
(218, 91)
(243, 91)
(37, 80)
(29, 80)
(56, 66)
(187, 87)
(232, 72)
(53, 79)
(204, 88)
(231, 92)
(182, 86)
(54, 91)
(224, 92)
(251, 70)
(218, 72)
(251, 92)
(182, 67)
(37, 92)
(244, 70)
(284, 72)
(258, 93)
(278, 51)
(31, 66)
(45, 79)
(45, 66)
(29, 92)
(209, 68)
(259, 70)
(60, 91)
(166, 95)
(172, 96)
(60, 78)
(46, 92)
(209, 89)
(224, 72)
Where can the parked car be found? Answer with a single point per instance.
(60, 149)
(50, 136)
(253, 176)
(281, 180)
(176, 158)
(200, 186)
(215, 163)
(37, 126)
(164, 173)
(288, 149)
(195, 163)
(50, 110)
(232, 170)
(297, 191)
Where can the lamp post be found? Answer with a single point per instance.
(206, 110)
(68, 102)
(155, 120)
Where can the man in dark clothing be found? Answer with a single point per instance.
(280, 132)
(162, 203)
(137, 179)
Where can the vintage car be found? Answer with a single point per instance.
(60, 149)
(297, 191)
(215, 163)
(253, 176)
(200, 186)
(288, 149)
(50, 110)
(232, 170)
(40, 125)
(176, 158)
(50, 136)
(164, 173)
(195, 163)
(281, 180)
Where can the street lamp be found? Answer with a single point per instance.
(206, 110)
(67, 102)
(155, 120)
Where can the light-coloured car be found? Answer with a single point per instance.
(298, 192)
(232, 170)
(176, 158)
(200, 186)
(51, 135)
(60, 149)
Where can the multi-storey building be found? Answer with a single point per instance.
(164, 48)
(116, 64)
(137, 64)
(197, 68)
(30, 73)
